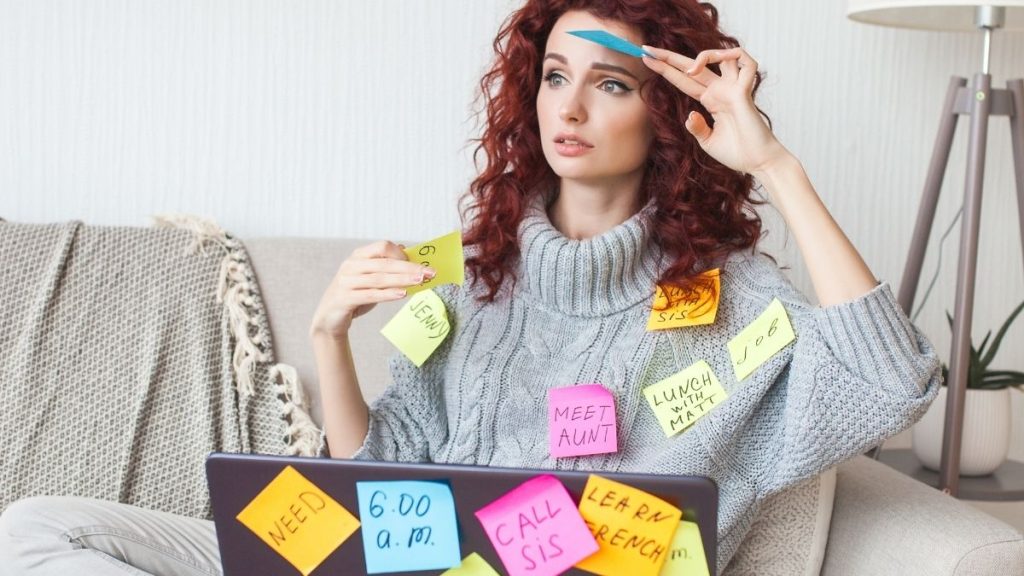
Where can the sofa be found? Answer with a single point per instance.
(870, 519)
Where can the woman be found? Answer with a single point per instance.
(605, 176)
(567, 242)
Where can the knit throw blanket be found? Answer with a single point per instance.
(127, 355)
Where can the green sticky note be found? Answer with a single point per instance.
(472, 565)
(686, 553)
(681, 399)
(419, 327)
(444, 255)
(762, 339)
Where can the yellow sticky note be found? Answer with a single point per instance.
(692, 308)
(444, 255)
(419, 327)
(298, 520)
(681, 399)
(686, 554)
(762, 339)
(633, 528)
(472, 565)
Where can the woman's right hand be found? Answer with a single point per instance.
(379, 272)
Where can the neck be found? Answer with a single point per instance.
(583, 210)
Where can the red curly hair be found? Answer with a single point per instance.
(704, 210)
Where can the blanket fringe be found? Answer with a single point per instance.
(235, 290)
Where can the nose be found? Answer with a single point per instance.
(572, 108)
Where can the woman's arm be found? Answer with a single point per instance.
(346, 415)
(837, 270)
(742, 141)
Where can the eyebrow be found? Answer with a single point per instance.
(594, 66)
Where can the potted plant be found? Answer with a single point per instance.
(987, 417)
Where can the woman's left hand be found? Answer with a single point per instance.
(741, 138)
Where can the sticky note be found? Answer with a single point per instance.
(472, 565)
(681, 399)
(444, 255)
(692, 308)
(686, 553)
(633, 528)
(536, 528)
(298, 520)
(609, 40)
(419, 327)
(762, 339)
(408, 525)
(581, 420)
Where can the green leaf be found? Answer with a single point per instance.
(981, 349)
(1002, 332)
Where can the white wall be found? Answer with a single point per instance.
(343, 118)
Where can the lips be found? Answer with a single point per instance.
(569, 137)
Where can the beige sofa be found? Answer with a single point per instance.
(882, 522)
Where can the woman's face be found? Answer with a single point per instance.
(592, 93)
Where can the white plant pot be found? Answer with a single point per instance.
(986, 432)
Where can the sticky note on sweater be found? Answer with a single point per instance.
(581, 421)
(444, 255)
(762, 339)
(419, 327)
(681, 399)
(690, 308)
(633, 528)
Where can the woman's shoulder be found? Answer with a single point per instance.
(754, 278)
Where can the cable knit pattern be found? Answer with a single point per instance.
(857, 373)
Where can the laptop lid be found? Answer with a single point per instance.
(235, 480)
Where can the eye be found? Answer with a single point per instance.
(622, 88)
(552, 75)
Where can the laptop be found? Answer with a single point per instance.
(235, 480)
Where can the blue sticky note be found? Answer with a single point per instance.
(408, 525)
(609, 40)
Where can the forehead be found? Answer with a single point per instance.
(560, 41)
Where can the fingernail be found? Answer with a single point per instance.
(429, 273)
(416, 279)
(691, 70)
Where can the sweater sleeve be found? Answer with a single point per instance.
(407, 422)
(860, 372)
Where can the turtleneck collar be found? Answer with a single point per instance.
(597, 276)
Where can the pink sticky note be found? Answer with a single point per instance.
(537, 528)
(581, 421)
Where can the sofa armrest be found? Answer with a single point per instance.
(884, 522)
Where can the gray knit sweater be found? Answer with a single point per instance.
(857, 373)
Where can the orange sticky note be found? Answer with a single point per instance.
(298, 520)
(633, 528)
(692, 308)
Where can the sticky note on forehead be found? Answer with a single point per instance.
(633, 528)
(680, 400)
(408, 525)
(298, 520)
(609, 40)
(419, 328)
(536, 528)
(444, 255)
(762, 339)
(581, 421)
(674, 307)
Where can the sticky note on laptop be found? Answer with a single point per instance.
(633, 528)
(762, 339)
(444, 255)
(408, 525)
(686, 553)
(472, 565)
(581, 421)
(298, 520)
(420, 327)
(536, 528)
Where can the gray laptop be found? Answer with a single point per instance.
(236, 479)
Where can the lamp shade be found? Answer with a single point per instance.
(950, 15)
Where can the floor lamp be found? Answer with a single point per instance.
(978, 101)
